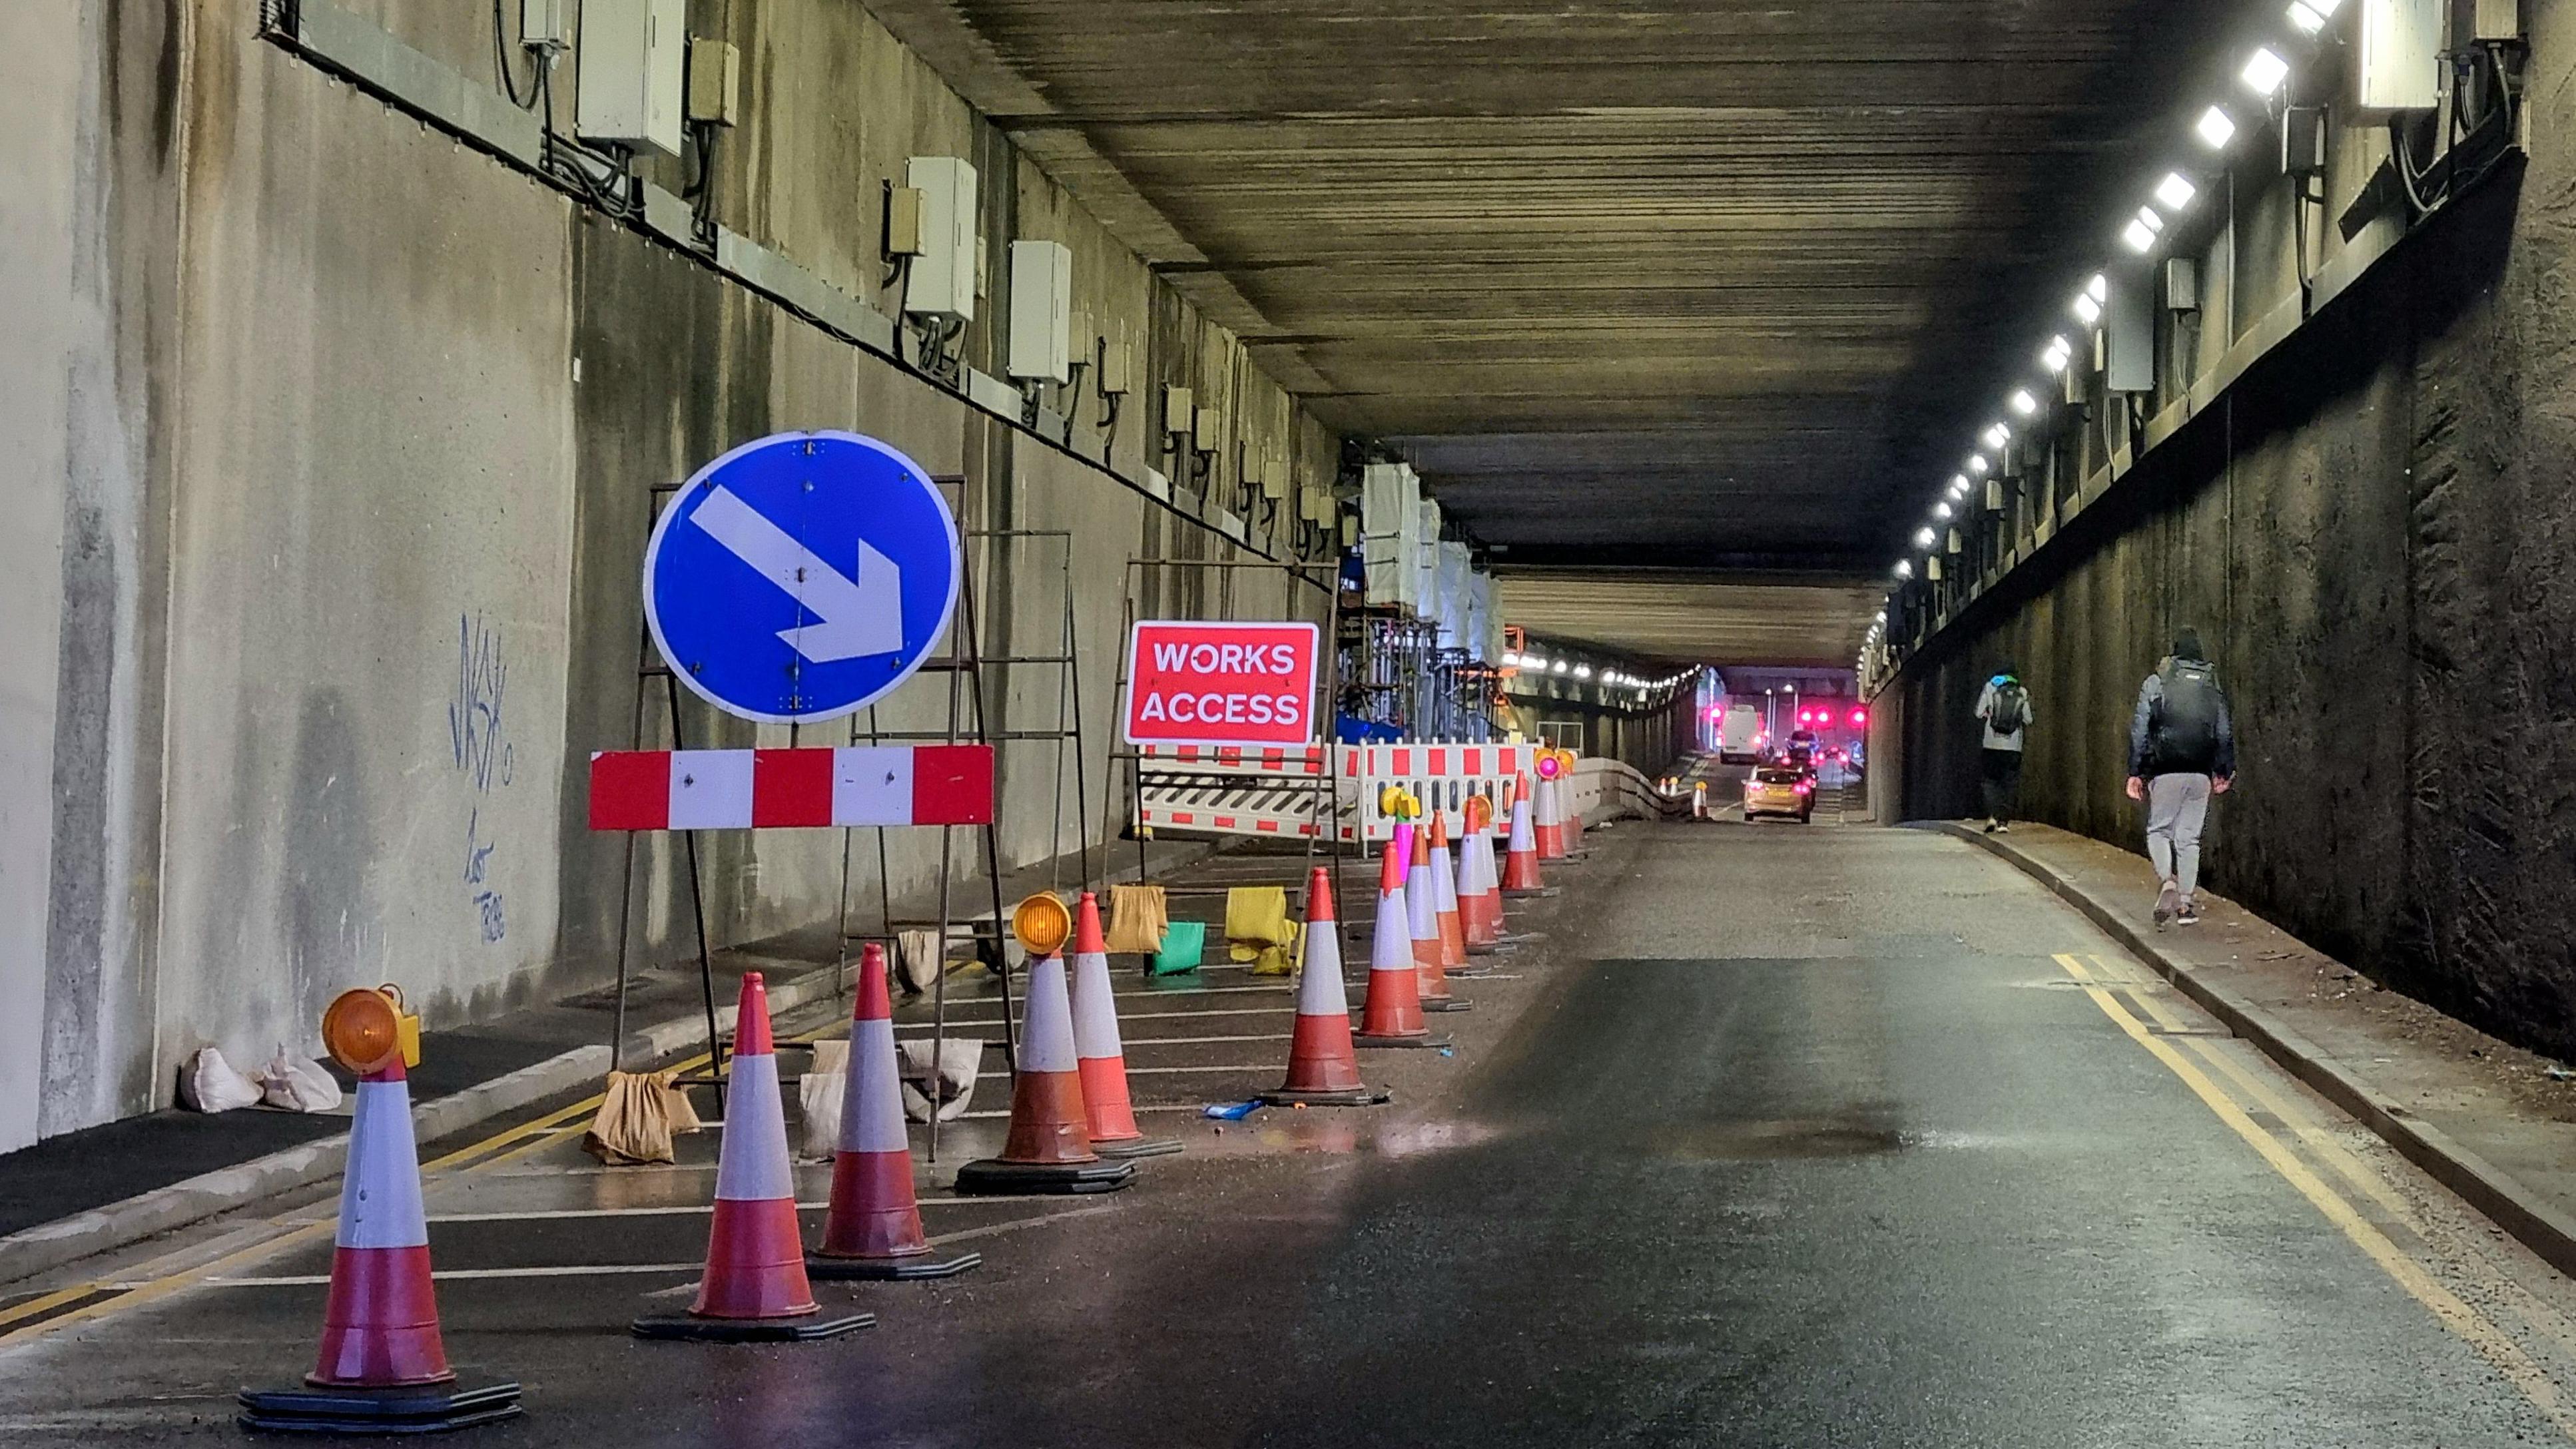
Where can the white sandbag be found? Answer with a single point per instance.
(820, 1093)
(957, 1067)
(208, 1083)
(297, 1084)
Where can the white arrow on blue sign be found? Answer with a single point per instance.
(801, 577)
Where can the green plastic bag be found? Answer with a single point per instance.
(1184, 942)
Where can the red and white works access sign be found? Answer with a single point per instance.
(1221, 684)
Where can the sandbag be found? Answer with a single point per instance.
(1138, 915)
(918, 960)
(637, 1116)
(208, 1083)
(1184, 946)
(297, 1084)
(1257, 929)
(957, 1066)
(820, 1093)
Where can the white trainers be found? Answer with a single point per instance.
(2168, 904)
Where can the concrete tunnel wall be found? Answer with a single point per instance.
(336, 442)
(2374, 531)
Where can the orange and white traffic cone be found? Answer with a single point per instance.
(1480, 900)
(383, 1367)
(1322, 1069)
(754, 1289)
(1422, 923)
(1048, 1149)
(1550, 819)
(1107, 1109)
(1520, 863)
(873, 1230)
(1446, 878)
(1393, 1015)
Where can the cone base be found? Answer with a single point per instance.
(1424, 1041)
(423, 1409)
(1527, 892)
(1448, 1003)
(889, 1270)
(689, 1328)
(1136, 1147)
(993, 1177)
(1473, 973)
(1358, 1097)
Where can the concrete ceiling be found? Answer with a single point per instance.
(1788, 620)
(1683, 283)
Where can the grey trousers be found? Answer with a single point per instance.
(2177, 806)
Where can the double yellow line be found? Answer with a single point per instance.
(2469, 1325)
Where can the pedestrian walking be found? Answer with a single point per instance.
(2182, 750)
(2004, 710)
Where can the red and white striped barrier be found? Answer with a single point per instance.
(791, 789)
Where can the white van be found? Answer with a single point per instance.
(1739, 736)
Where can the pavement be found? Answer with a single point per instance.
(1773, 1137)
(2493, 1122)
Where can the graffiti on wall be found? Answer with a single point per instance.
(479, 735)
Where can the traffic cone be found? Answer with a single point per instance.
(1480, 889)
(1322, 1070)
(874, 1228)
(1048, 1149)
(1393, 1015)
(1451, 914)
(1550, 820)
(1422, 923)
(754, 1289)
(382, 1368)
(1102, 1056)
(1520, 864)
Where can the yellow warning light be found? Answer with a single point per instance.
(1549, 766)
(1480, 812)
(1042, 924)
(362, 1031)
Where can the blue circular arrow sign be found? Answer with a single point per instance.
(801, 577)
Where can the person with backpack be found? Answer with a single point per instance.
(2182, 750)
(2004, 709)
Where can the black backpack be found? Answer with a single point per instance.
(2186, 719)
(2011, 709)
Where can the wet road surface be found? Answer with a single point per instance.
(1778, 1137)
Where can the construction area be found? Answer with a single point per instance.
(968, 722)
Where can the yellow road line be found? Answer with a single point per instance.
(2465, 1322)
(48, 1302)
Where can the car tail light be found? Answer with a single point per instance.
(1804, 788)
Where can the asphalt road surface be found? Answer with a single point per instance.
(1779, 1137)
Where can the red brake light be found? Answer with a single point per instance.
(1860, 717)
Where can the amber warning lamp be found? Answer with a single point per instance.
(363, 1031)
(1042, 924)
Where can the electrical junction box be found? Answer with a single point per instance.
(1274, 477)
(2182, 284)
(2303, 141)
(1176, 410)
(1117, 368)
(2498, 20)
(2397, 62)
(715, 82)
(1994, 495)
(2129, 336)
(1041, 311)
(1315, 505)
(942, 277)
(541, 24)
(1207, 430)
(903, 222)
(633, 72)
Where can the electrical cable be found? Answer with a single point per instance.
(501, 62)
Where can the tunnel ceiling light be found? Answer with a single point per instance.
(2305, 20)
(1959, 483)
(1905, 568)
(1923, 538)
(2139, 238)
(1562, 666)
(2060, 352)
(2265, 72)
(1583, 671)
(1996, 435)
(2023, 403)
(2175, 192)
(2099, 289)
(1979, 466)
(1940, 510)
(2216, 128)
(2087, 311)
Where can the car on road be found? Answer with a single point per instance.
(1782, 790)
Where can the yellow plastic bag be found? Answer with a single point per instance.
(636, 1119)
(1137, 918)
(1257, 929)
